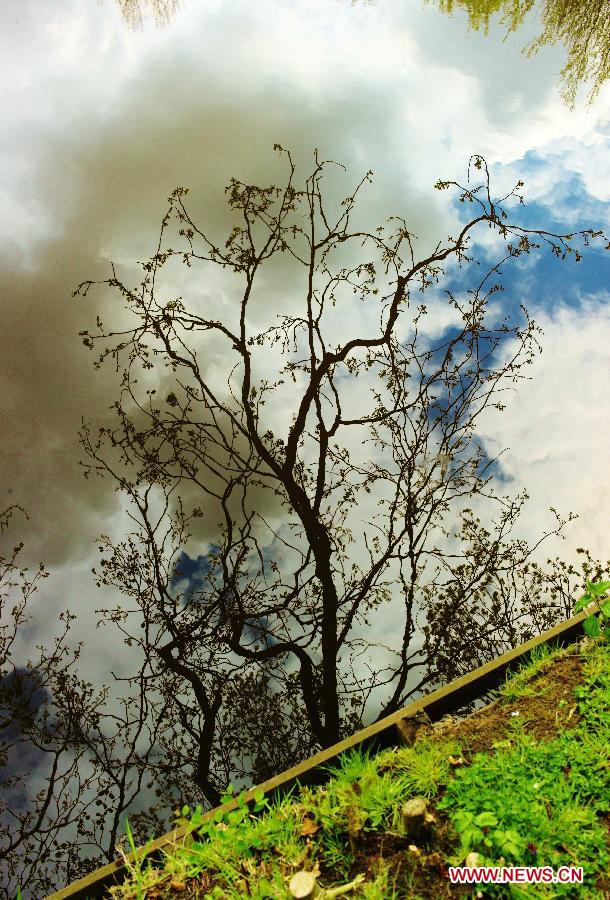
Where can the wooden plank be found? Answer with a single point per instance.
(380, 735)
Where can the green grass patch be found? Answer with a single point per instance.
(520, 802)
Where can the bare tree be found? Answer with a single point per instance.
(279, 604)
(32, 748)
(65, 778)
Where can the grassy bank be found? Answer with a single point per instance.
(523, 781)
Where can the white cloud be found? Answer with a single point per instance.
(558, 428)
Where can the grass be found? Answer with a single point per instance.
(523, 781)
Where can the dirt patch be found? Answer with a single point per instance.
(544, 714)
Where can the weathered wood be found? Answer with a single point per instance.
(413, 815)
(304, 885)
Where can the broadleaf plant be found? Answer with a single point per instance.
(594, 625)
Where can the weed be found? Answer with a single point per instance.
(595, 593)
(520, 684)
(142, 875)
(519, 801)
(545, 795)
(336, 855)
(424, 766)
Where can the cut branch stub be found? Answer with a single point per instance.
(414, 815)
(303, 885)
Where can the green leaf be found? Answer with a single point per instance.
(582, 602)
(486, 818)
(591, 626)
(471, 836)
(497, 745)
(514, 836)
(599, 588)
(185, 811)
(592, 591)
(462, 819)
(197, 815)
(236, 816)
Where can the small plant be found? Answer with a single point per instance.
(135, 868)
(523, 801)
(594, 625)
(519, 684)
(424, 766)
(379, 889)
(229, 832)
(475, 830)
(228, 817)
(543, 796)
(336, 855)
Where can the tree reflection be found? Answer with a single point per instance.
(134, 11)
(583, 28)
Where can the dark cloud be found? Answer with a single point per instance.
(103, 180)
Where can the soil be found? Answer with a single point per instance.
(544, 719)
(424, 874)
